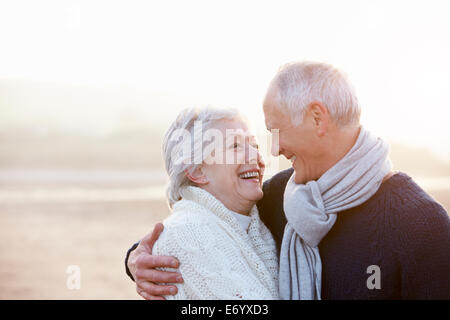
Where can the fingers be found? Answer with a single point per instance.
(147, 261)
(151, 291)
(147, 277)
(149, 240)
(158, 276)
(147, 296)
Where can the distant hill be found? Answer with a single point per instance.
(54, 125)
(40, 106)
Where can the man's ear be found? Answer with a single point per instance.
(197, 175)
(320, 117)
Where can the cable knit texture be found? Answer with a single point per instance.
(218, 259)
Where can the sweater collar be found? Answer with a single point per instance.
(207, 200)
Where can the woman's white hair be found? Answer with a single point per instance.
(301, 83)
(176, 160)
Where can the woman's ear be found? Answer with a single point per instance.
(197, 175)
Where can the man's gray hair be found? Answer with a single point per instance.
(173, 148)
(301, 83)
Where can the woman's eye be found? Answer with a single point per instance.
(236, 145)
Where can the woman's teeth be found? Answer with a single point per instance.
(249, 175)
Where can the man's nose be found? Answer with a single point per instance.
(275, 148)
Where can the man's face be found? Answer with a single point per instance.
(300, 144)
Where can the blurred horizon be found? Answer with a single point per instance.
(57, 125)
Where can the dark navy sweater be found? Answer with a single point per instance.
(400, 229)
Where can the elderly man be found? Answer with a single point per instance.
(346, 226)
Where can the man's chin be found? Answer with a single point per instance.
(298, 178)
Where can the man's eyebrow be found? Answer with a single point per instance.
(233, 137)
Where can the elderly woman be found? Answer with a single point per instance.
(225, 250)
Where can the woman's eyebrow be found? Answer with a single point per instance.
(240, 134)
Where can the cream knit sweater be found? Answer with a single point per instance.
(218, 259)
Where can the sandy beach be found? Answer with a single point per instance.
(49, 224)
(40, 240)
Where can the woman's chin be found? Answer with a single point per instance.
(260, 195)
(253, 195)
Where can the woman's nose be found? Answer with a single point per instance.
(252, 155)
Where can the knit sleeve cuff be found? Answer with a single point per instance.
(126, 260)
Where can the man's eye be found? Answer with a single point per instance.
(236, 145)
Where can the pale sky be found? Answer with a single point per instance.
(225, 52)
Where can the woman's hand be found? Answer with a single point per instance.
(142, 265)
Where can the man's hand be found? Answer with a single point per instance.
(142, 264)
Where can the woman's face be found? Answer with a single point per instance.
(234, 170)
